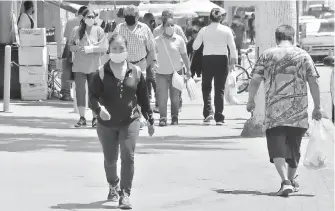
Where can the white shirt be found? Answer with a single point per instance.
(216, 37)
(25, 22)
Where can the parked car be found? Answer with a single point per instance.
(319, 42)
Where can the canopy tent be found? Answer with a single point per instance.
(201, 7)
(157, 9)
(110, 2)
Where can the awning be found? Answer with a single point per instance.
(110, 2)
(71, 7)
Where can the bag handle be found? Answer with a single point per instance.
(174, 70)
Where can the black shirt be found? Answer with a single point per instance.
(120, 97)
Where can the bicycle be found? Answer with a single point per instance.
(243, 74)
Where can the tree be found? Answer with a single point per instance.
(268, 16)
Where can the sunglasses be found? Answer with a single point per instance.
(90, 17)
(195, 31)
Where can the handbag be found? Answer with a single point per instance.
(177, 80)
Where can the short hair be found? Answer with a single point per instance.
(131, 10)
(215, 15)
(166, 14)
(27, 5)
(116, 36)
(165, 20)
(285, 32)
(81, 10)
(148, 16)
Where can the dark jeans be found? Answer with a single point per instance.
(66, 72)
(111, 140)
(151, 84)
(214, 67)
(238, 48)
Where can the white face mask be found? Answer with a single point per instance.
(89, 22)
(169, 31)
(118, 57)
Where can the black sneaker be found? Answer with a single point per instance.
(113, 194)
(94, 122)
(295, 184)
(162, 122)
(207, 120)
(285, 188)
(219, 123)
(81, 122)
(66, 98)
(174, 120)
(124, 202)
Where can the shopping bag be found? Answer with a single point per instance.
(178, 81)
(315, 156)
(191, 88)
(231, 89)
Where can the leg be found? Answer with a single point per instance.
(221, 73)
(128, 136)
(174, 98)
(162, 94)
(66, 74)
(89, 79)
(149, 79)
(278, 152)
(207, 77)
(333, 113)
(239, 54)
(108, 138)
(80, 82)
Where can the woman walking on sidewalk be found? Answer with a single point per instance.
(116, 89)
(171, 49)
(88, 43)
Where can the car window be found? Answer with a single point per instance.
(326, 27)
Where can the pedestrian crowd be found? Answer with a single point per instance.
(143, 58)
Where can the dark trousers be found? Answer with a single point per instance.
(214, 67)
(111, 140)
(238, 48)
(151, 84)
(333, 113)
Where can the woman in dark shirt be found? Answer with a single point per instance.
(115, 90)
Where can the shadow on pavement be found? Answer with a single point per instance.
(48, 103)
(256, 193)
(145, 145)
(93, 205)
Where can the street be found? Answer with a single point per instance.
(48, 165)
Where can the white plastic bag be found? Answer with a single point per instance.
(315, 156)
(191, 88)
(178, 81)
(231, 89)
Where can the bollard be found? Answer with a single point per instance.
(7, 73)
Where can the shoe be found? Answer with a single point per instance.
(124, 202)
(156, 110)
(219, 123)
(295, 184)
(174, 120)
(113, 194)
(81, 122)
(285, 188)
(162, 122)
(66, 98)
(94, 122)
(207, 120)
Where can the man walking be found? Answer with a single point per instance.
(285, 69)
(239, 29)
(67, 56)
(215, 38)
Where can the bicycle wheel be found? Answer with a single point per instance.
(242, 78)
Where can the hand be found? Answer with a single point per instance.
(151, 129)
(188, 74)
(251, 106)
(317, 114)
(104, 114)
(233, 61)
(155, 66)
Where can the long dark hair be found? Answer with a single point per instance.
(82, 26)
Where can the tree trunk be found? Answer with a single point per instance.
(268, 16)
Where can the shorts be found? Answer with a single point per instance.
(284, 142)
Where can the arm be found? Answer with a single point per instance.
(143, 100)
(181, 33)
(24, 22)
(66, 32)
(312, 78)
(183, 53)
(198, 40)
(95, 89)
(102, 46)
(257, 77)
(231, 45)
(72, 41)
(151, 46)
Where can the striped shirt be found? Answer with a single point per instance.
(139, 41)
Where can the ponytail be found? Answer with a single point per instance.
(82, 29)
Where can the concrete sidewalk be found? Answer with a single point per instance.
(48, 165)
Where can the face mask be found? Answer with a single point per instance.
(130, 20)
(89, 22)
(169, 31)
(118, 57)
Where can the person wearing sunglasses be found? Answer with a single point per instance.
(88, 42)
